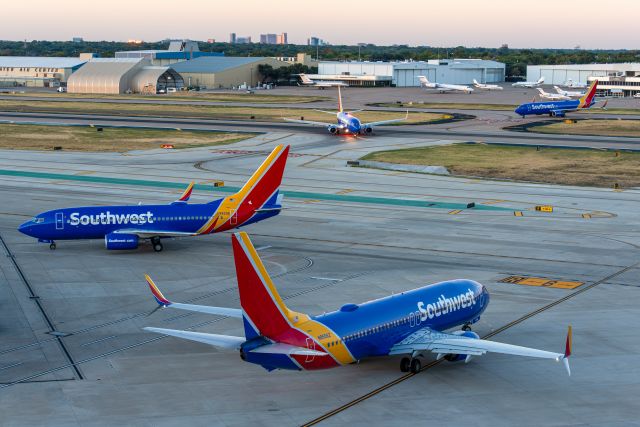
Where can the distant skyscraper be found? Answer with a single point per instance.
(281, 38)
(315, 41)
(77, 39)
(232, 38)
(243, 40)
(211, 40)
(273, 38)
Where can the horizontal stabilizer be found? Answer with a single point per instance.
(223, 341)
(280, 348)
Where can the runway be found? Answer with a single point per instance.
(336, 242)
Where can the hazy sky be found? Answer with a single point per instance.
(540, 23)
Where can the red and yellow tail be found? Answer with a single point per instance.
(587, 99)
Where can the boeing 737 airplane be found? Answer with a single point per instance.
(559, 108)
(570, 94)
(122, 227)
(346, 122)
(529, 84)
(486, 86)
(443, 87)
(320, 84)
(411, 323)
(551, 96)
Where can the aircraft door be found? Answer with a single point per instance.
(234, 217)
(59, 221)
(311, 345)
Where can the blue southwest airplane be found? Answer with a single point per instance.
(411, 323)
(560, 108)
(346, 122)
(122, 227)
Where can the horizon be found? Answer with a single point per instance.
(489, 27)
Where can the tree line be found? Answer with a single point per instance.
(516, 60)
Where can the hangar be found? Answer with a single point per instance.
(613, 79)
(36, 71)
(224, 71)
(178, 51)
(405, 73)
(123, 75)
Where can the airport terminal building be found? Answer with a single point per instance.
(617, 80)
(37, 71)
(405, 74)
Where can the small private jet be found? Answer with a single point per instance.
(443, 87)
(529, 84)
(485, 86)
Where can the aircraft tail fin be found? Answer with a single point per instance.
(305, 79)
(339, 100)
(567, 351)
(475, 82)
(263, 309)
(541, 80)
(587, 99)
(423, 80)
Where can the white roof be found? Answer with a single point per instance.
(40, 61)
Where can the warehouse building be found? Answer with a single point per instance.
(36, 71)
(123, 75)
(178, 51)
(613, 79)
(223, 72)
(405, 74)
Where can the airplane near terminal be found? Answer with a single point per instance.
(411, 323)
(551, 96)
(346, 122)
(123, 226)
(485, 86)
(560, 108)
(575, 85)
(443, 87)
(569, 93)
(529, 84)
(320, 84)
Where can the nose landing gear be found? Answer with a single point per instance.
(52, 246)
(157, 245)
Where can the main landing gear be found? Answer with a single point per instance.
(52, 246)
(412, 365)
(157, 245)
(466, 327)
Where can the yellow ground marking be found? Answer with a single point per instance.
(492, 202)
(84, 173)
(544, 208)
(517, 213)
(586, 216)
(311, 201)
(455, 212)
(345, 191)
(542, 282)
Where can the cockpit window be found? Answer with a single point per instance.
(38, 220)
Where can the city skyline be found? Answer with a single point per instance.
(459, 23)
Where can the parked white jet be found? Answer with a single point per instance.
(575, 85)
(529, 84)
(551, 96)
(443, 87)
(486, 86)
(320, 84)
(570, 94)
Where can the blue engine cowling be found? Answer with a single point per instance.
(368, 130)
(557, 113)
(461, 357)
(117, 241)
(333, 130)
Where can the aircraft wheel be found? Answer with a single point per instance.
(466, 327)
(52, 246)
(157, 246)
(405, 364)
(416, 366)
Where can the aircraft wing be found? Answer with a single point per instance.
(147, 234)
(386, 122)
(224, 341)
(444, 343)
(309, 122)
(163, 302)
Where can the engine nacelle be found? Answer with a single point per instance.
(368, 130)
(117, 241)
(333, 130)
(461, 357)
(558, 113)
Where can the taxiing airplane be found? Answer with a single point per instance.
(486, 86)
(529, 84)
(551, 96)
(570, 94)
(443, 87)
(575, 85)
(320, 84)
(122, 227)
(347, 123)
(559, 108)
(411, 323)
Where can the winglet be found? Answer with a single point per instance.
(567, 351)
(187, 193)
(160, 299)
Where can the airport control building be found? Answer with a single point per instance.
(405, 74)
(616, 80)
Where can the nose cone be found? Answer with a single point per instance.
(354, 125)
(26, 228)
(520, 110)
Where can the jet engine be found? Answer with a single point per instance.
(461, 357)
(333, 130)
(557, 113)
(117, 241)
(368, 130)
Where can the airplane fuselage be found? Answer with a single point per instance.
(553, 108)
(349, 124)
(371, 329)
